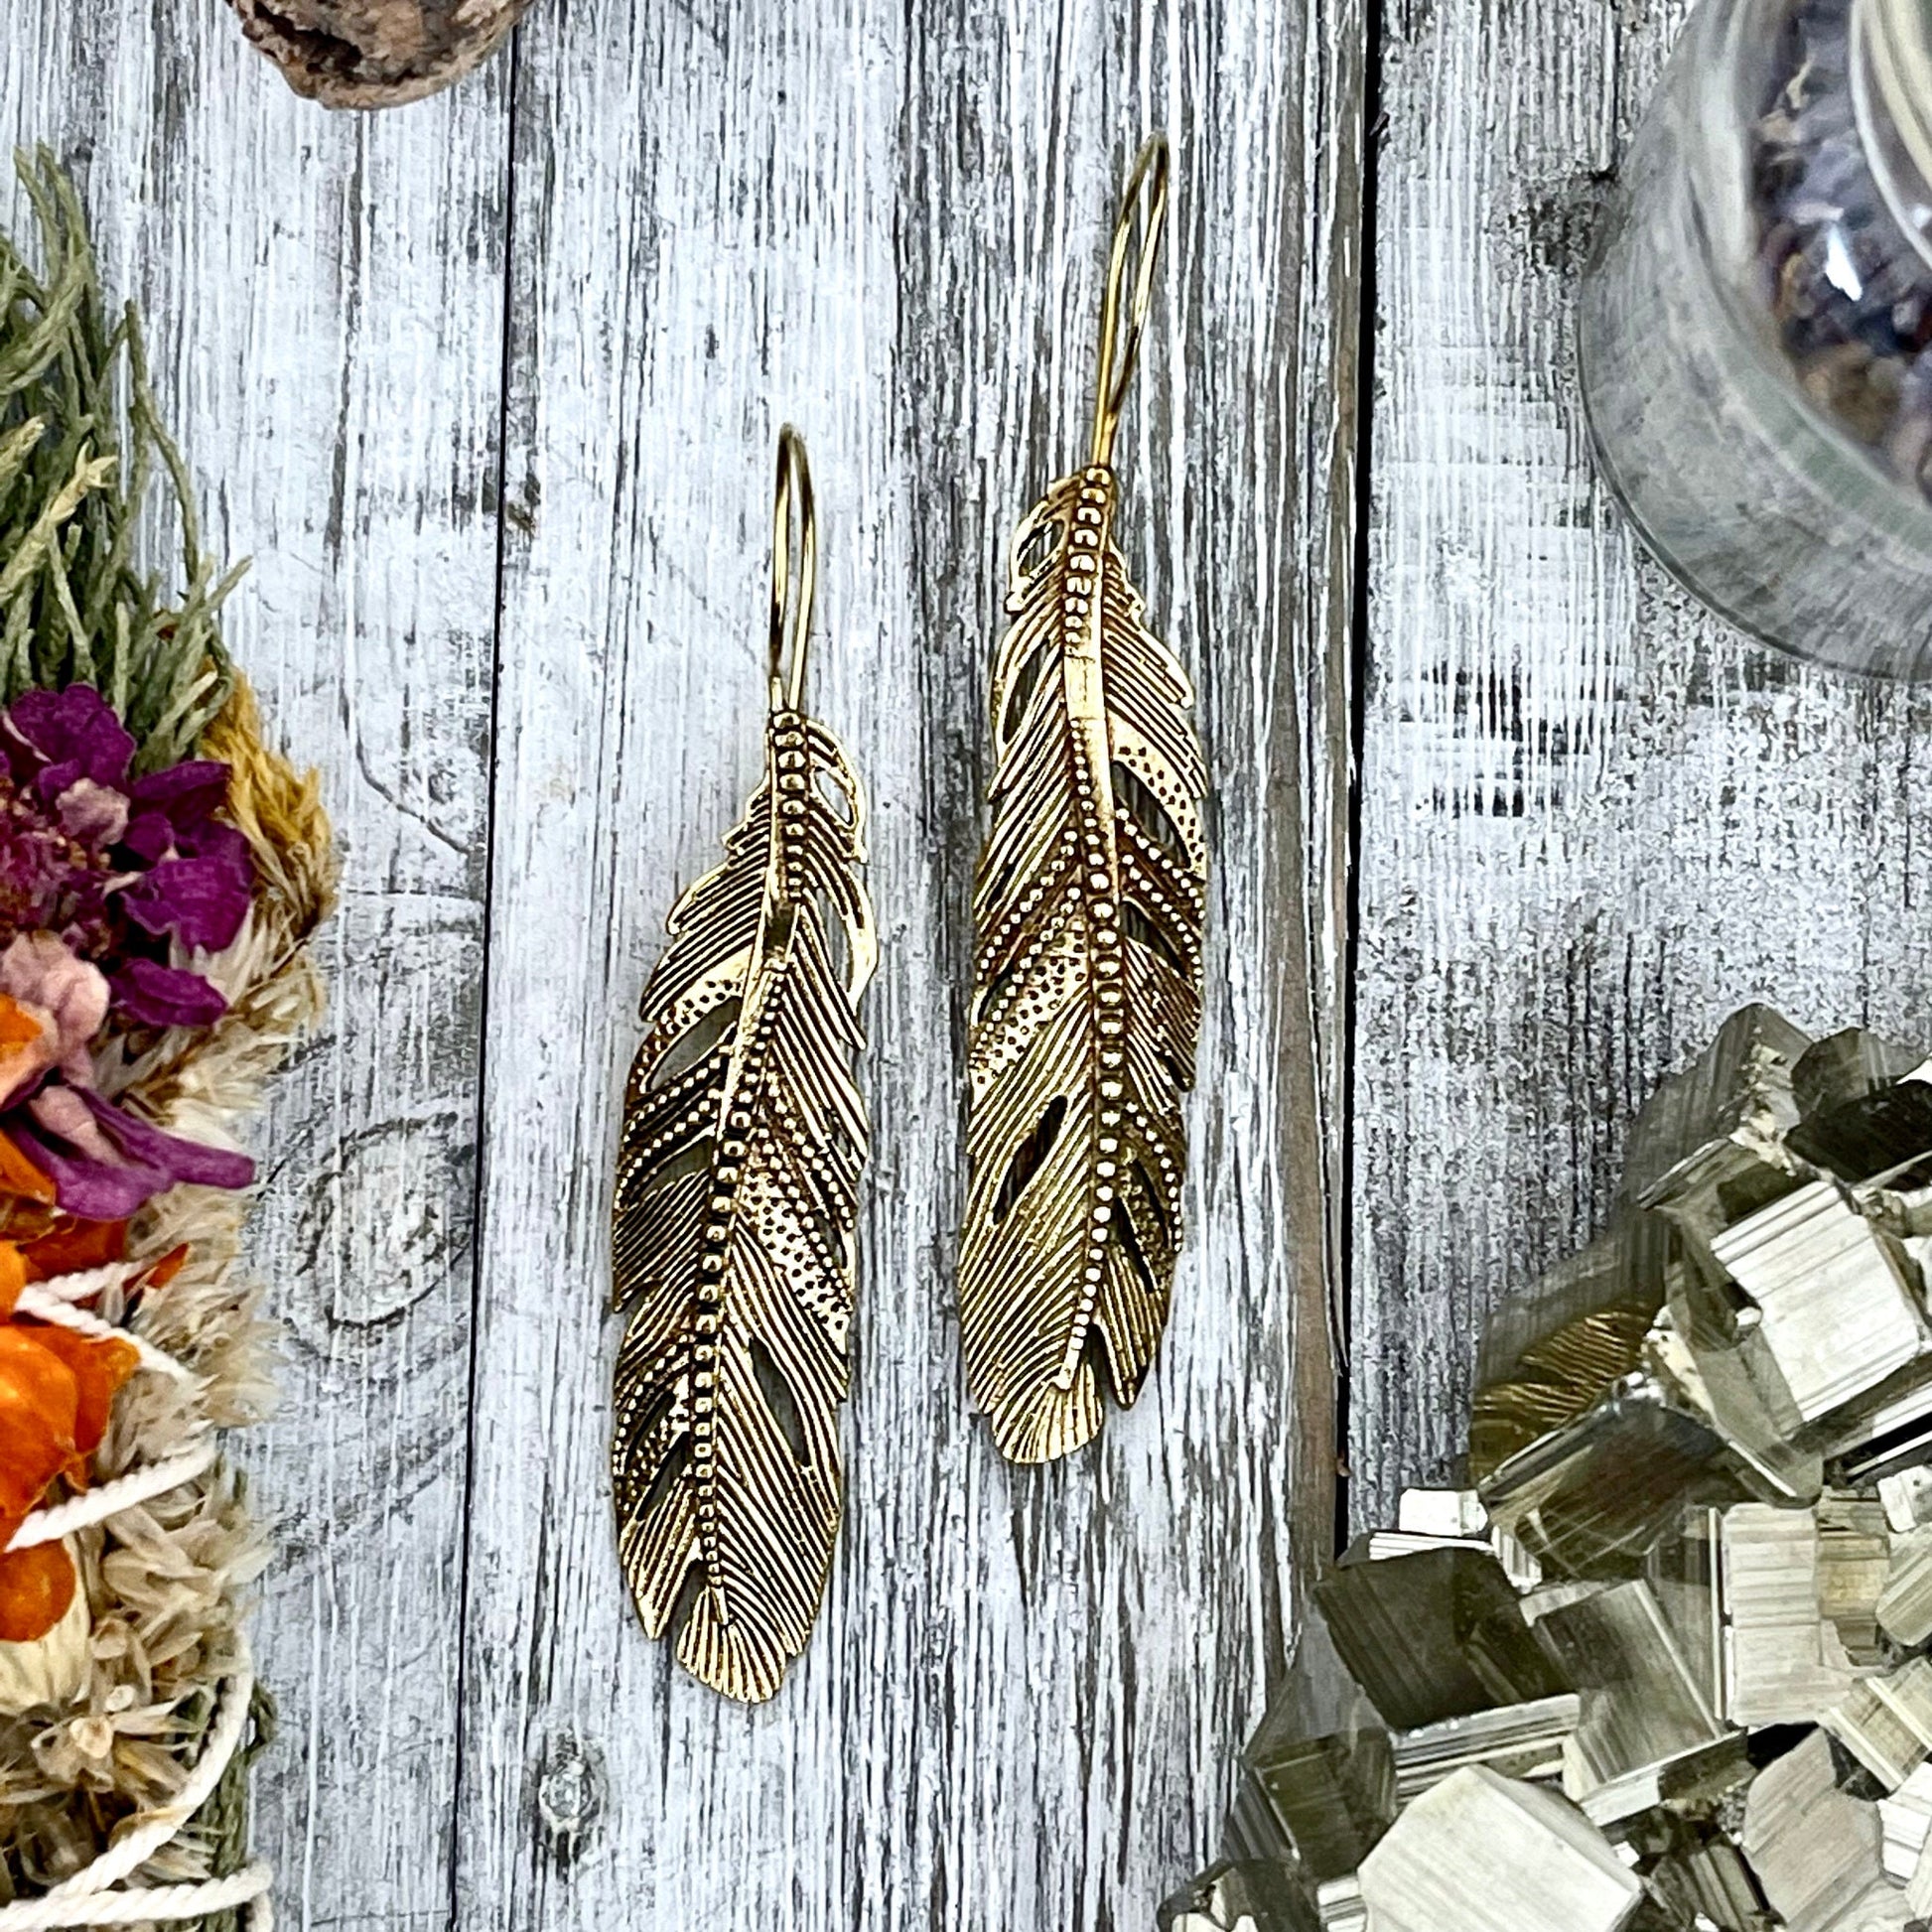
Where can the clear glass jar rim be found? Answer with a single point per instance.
(1892, 79)
(1901, 34)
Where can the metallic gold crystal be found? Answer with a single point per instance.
(1847, 1066)
(1435, 1634)
(1592, 1498)
(1644, 1722)
(1549, 1352)
(1905, 1818)
(1519, 1740)
(1778, 1667)
(1481, 1853)
(1238, 1897)
(737, 1189)
(1330, 1797)
(1703, 1451)
(1853, 1567)
(1904, 1608)
(1907, 1498)
(1736, 1100)
(1699, 1877)
(1554, 1382)
(1088, 972)
(1885, 1722)
(1834, 1309)
(1882, 1136)
(1342, 1906)
(1814, 1847)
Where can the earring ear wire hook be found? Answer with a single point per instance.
(1145, 198)
(792, 602)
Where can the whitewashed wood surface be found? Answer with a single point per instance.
(488, 388)
(326, 323)
(1593, 822)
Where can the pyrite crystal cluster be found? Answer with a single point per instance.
(1665, 1664)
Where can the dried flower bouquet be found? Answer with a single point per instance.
(160, 873)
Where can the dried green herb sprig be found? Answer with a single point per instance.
(79, 442)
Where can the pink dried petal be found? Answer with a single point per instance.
(93, 813)
(38, 970)
(66, 1115)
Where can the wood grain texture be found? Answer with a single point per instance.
(1022, 1700)
(538, 710)
(323, 299)
(1593, 820)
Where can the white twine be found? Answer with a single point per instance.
(163, 1904)
(53, 1302)
(138, 1842)
(45, 1301)
(84, 1283)
(111, 1498)
(84, 1900)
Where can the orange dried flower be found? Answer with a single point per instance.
(19, 1175)
(36, 1587)
(25, 1036)
(56, 1393)
(70, 1246)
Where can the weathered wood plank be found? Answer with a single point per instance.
(1593, 820)
(1239, 497)
(325, 304)
(1022, 1701)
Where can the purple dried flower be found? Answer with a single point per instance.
(153, 995)
(105, 1163)
(119, 868)
(69, 734)
(200, 901)
(186, 795)
(102, 873)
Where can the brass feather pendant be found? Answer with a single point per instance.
(737, 1193)
(1087, 970)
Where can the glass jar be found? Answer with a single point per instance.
(1756, 330)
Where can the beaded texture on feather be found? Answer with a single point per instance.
(737, 1190)
(1087, 980)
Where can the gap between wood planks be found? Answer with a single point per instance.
(1336, 1315)
(1360, 646)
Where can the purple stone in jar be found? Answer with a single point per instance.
(1850, 287)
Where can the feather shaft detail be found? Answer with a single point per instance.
(1087, 979)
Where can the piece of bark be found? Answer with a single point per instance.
(375, 52)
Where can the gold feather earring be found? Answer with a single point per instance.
(1088, 966)
(737, 1193)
